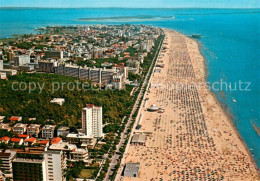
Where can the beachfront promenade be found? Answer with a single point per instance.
(192, 139)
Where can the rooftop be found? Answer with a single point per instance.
(153, 108)
(30, 140)
(63, 128)
(15, 118)
(34, 126)
(16, 140)
(138, 138)
(73, 135)
(131, 169)
(5, 138)
(51, 127)
(23, 135)
(20, 125)
(56, 140)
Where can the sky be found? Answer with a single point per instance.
(132, 3)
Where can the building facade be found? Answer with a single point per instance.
(29, 166)
(55, 165)
(33, 130)
(48, 131)
(21, 60)
(19, 128)
(92, 121)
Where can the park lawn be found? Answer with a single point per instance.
(87, 173)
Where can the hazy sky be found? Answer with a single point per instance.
(133, 3)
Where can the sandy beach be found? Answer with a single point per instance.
(192, 138)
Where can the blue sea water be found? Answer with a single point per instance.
(230, 43)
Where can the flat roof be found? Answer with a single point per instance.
(138, 138)
(131, 168)
(63, 128)
(52, 127)
(71, 135)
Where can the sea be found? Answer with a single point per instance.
(230, 43)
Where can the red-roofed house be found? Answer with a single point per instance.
(23, 136)
(18, 141)
(15, 118)
(30, 141)
(44, 143)
(5, 139)
(56, 140)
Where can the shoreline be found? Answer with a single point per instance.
(228, 149)
(224, 106)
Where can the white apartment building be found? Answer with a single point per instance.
(33, 130)
(19, 128)
(48, 131)
(55, 165)
(92, 121)
(6, 158)
(21, 60)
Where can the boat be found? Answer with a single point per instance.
(257, 129)
(196, 36)
(234, 100)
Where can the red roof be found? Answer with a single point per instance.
(16, 140)
(23, 135)
(5, 138)
(31, 140)
(43, 142)
(14, 118)
(90, 105)
(56, 140)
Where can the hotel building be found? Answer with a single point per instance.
(92, 121)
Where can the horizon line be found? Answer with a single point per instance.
(126, 7)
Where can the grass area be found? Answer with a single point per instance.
(87, 173)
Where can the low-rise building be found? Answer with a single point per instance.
(63, 131)
(84, 140)
(131, 169)
(5, 126)
(54, 54)
(30, 141)
(16, 119)
(3, 75)
(9, 71)
(80, 154)
(5, 139)
(48, 131)
(16, 141)
(23, 136)
(21, 60)
(59, 101)
(33, 130)
(19, 128)
(56, 140)
(138, 139)
(2, 118)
